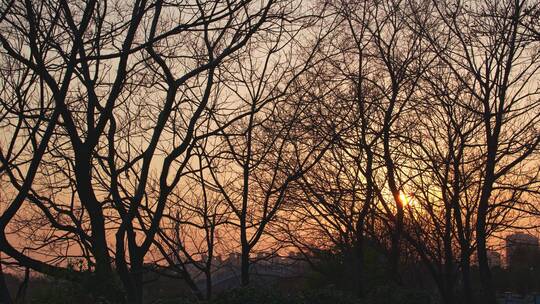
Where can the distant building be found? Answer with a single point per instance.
(494, 258)
(521, 250)
(234, 258)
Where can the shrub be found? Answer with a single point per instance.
(253, 295)
(391, 294)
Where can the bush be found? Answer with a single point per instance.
(391, 294)
(326, 296)
(50, 291)
(253, 295)
(388, 294)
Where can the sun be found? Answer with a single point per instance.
(407, 200)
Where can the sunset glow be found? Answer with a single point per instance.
(270, 151)
(408, 200)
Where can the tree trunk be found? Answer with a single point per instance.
(359, 267)
(135, 295)
(466, 277)
(5, 298)
(448, 257)
(395, 250)
(245, 266)
(488, 292)
(448, 289)
(208, 284)
(359, 249)
(134, 289)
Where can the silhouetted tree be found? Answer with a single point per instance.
(486, 48)
(120, 90)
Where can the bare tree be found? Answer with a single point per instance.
(114, 76)
(194, 220)
(262, 154)
(372, 72)
(489, 52)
